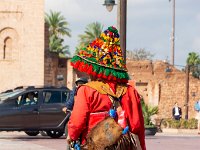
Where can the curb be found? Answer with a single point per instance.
(180, 131)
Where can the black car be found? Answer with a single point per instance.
(43, 113)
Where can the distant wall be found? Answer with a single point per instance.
(162, 88)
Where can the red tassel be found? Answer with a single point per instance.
(89, 71)
(99, 75)
(104, 76)
(81, 66)
(76, 64)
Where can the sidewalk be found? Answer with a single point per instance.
(15, 144)
(178, 132)
(9, 143)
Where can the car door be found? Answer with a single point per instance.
(29, 111)
(51, 114)
(10, 114)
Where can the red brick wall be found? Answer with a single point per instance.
(163, 88)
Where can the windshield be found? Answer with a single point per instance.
(4, 96)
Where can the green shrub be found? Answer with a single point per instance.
(181, 124)
(175, 124)
(192, 123)
(148, 111)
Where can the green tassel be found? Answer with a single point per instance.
(101, 69)
(107, 72)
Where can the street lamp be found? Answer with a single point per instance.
(109, 4)
(122, 20)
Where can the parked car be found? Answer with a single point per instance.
(42, 113)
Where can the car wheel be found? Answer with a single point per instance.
(32, 133)
(43, 133)
(55, 134)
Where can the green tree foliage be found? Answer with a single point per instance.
(57, 46)
(139, 54)
(148, 112)
(58, 28)
(92, 31)
(193, 61)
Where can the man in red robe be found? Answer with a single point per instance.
(102, 60)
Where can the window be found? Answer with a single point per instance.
(7, 48)
(65, 96)
(30, 98)
(52, 97)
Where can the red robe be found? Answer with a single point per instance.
(91, 107)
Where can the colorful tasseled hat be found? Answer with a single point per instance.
(103, 58)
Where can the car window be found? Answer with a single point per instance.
(52, 97)
(9, 102)
(65, 96)
(19, 99)
(30, 98)
(6, 95)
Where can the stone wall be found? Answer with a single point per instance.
(163, 87)
(21, 43)
(57, 71)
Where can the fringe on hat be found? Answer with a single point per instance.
(99, 71)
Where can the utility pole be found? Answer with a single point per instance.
(118, 15)
(123, 18)
(173, 33)
(187, 69)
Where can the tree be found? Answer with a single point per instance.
(92, 31)
(193, 61)
(139, 54)
(57, 46)
(58, 28)
(57, 24)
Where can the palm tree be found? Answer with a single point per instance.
(57, 24)
(92, 31)
(58, 28)
(193, 61)
(57, 45)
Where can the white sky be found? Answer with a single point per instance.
(149, 24)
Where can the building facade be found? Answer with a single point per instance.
(161, 84)
(21, 43)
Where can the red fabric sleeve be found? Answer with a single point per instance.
(141, 131)
(80, 113)
(132, 106)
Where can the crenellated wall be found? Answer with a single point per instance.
(164, 87)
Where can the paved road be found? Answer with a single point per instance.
(173, 142)
(20, 141)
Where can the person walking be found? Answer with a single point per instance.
(107, 113)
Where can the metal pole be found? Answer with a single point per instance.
(187, 91)
(118, 15)
(123, 12)
(173, 34)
